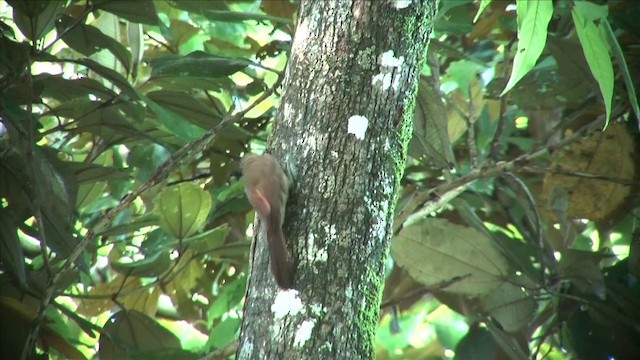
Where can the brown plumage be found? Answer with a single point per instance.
(267, 189)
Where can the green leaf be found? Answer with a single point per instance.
(596, 51)
(109, 74)
(11, 252)
(54, 191)
(511, 306)
(591, 11)
(173, 122)
(61, 89)
(583, 269)
(237, 16)
(478, 344)
(197, 64)
(624, 68)
(138, 11)
(212, 239)
(483, 5)
(153, 265)
(183, 209)
(88, 40)
(89, 173)
(128, 333)
(228, 300)
(35, 18)
(131, 226)
(187, 106)
(225, 332)
(14, 57)
(435, 251)
(463, 72)
(88, 193)
(146, 158)
(533, 20)
(198, 6)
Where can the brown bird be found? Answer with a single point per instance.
(267, 188)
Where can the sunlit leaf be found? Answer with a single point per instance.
(88, 40)
(183, 209)
(533, 20)
(151, 266)
(435, 251)
(596, 51)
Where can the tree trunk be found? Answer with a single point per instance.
(344, 123)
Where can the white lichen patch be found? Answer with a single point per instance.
(308, 142)
(287, 109)
(321, 255)
(302, 33)
(383, 79)
(286, 303)
(303, 333)
(357, 125)
(388, 59)
(390, 71)
(401, 4)
(311, 240)
(348, 292)
(332, 232)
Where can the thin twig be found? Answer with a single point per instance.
(579, 174)
(495, 142)
(471, 132)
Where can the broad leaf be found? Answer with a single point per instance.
(533, 20)
(183, 209)
(435, 252)
(140, 11)
(596, 51)
(198, 64)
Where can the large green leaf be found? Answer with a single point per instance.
(88, 40)
(435, 252)
(238, 16)
(88, 173)
(152, 265)
(35, 18)
(128, 333)
(187, 106)
(511, 306)
(183, 209)
(11, 252)
(146, 158)
(138, 11)
(198, 64)
(62, 89)
(478, 344)
(174, 122)
(596, 50)
(533, 20)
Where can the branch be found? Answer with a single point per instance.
(433, 199)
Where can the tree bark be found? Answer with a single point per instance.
(344, 123)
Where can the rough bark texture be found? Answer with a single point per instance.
(349, 58)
